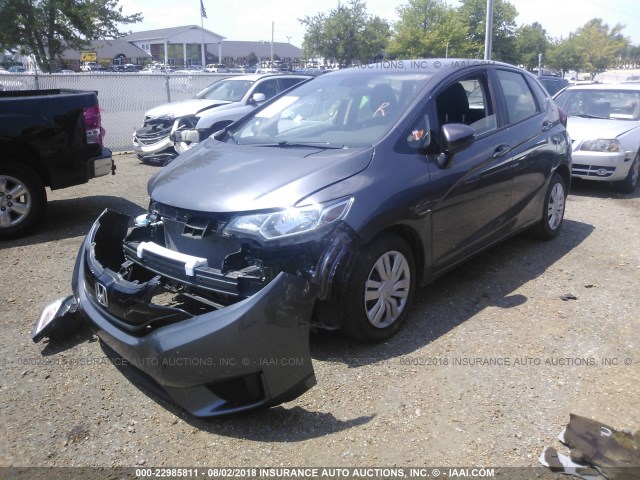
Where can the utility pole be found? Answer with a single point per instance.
(272, 28)
(488, 32)
(539, 64)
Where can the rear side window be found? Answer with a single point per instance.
(289, 82)
(518, 96)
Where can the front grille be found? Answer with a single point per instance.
(154, 130)
(592, 170)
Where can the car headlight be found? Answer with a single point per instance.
(290, 223)
(602, 145)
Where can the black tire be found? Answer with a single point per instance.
(390, 300)
(22, 200)
(629, 184)
(553, 209)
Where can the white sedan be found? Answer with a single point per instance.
(604, 125)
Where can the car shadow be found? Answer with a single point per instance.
(70, 218)
(488, 280)
(276, 424)
(586, 188)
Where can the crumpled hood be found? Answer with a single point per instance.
(186, 107)
(581, 129)
(220, 177)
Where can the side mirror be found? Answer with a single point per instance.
(257, 98)
(455, 138)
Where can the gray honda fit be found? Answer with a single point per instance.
(326, 207)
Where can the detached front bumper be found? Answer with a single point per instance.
(602, 166)
(249, 354)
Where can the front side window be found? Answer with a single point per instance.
(518, 96)
(467, 101)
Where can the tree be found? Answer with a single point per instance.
(345, 34)
(252, 59)
(474, 14)
(599, 45)
(45, 28)
(565, 55)
(594, 47)
(530, 42)
(430, 28)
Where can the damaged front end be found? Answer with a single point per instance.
(153, 141)
(219, 324)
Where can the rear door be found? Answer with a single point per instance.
(531, 126)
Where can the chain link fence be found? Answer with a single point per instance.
(124, 97)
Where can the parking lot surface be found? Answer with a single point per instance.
(494, 357)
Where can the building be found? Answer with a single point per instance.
(240, 52)
(113, 52)
(179, 46)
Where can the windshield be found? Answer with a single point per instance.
(333, 111)
(227, 90)
(617, 104)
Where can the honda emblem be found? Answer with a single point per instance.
(101, 294)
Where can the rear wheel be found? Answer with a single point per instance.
(629, 184)
(553, 209)
(22, 200)
(380, 289)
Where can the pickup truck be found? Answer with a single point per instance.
(48, 138)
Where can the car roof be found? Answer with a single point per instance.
(606, 86)
(257, 76)
(438, 67)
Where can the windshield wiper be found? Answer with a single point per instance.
(324, 145)
(588, 115)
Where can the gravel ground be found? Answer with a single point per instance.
(420, 399)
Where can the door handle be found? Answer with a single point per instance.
(501, 150)
(546, 125)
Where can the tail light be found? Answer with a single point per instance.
(93, 125)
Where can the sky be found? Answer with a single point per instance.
(251, 20)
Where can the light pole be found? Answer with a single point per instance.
(488, 33)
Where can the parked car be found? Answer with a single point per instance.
(216, 68)
(152, 141)
(17, 69)
(327, 206)
(48, 138)
(196, 129)
(267, 70)
(604, 125)
(553, 84)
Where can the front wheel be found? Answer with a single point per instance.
(629, 184)
(22, 200)
(380, 289)
(553, 209)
